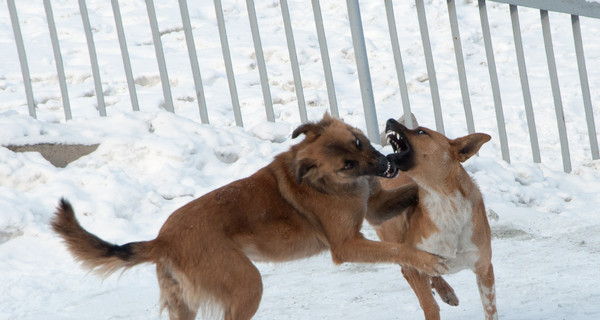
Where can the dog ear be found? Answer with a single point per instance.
(303, 166)
(469, 145)
(307, 127)
(316, 128)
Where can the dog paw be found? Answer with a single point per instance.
(450, 299)
(432, 265)
(444, 290)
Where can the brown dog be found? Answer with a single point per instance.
(311, 198)
(450, 218)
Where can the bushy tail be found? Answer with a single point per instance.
(94, 253)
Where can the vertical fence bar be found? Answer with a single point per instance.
(362, 66)
(58, 60)
(489, 51)
(125, 55)
(14, 19)
(235, 101)
(93, 57)
(433, 85)
(191, 47)
(389, 10)
(160, 56)
(260, 60)
(289, 36)
(585, 86)
(533, 138)
(460, 65)
(560, 116)
(333, 107)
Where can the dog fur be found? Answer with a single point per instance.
(311, 198)
(449, 218)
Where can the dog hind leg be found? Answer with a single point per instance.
(221, 281)
(487, 291)
(444, 290)
(226, 278)
(244, 289)
(171, 295)
(420, 283)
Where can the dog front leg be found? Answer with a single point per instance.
(386, 204)
(487, 291)
(359, 249)
(420, 284)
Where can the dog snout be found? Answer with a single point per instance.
(377, 159)
(380, 166)
(393, 125)
(390, 124)
(383, 164)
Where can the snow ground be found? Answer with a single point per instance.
(546, 223)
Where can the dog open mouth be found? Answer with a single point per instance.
(403, 156)
(391, 171)
(398, 142)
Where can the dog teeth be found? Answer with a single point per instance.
(387, 170)
(390, 172)
(393, 138)
(393, 133)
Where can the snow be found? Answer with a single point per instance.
(546, 224)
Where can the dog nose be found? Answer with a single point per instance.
(390, 123)
(382, 163)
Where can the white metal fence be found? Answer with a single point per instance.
(572, 8)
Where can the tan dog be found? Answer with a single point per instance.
(311, 198)
(450, 218)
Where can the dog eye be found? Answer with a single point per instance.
(419, 132)
(358, 144)
(349, 164)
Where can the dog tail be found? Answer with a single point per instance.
(94, 253)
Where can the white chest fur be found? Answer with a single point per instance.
(452, 215)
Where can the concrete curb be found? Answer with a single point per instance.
(60, 155)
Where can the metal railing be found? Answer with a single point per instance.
(574, 8)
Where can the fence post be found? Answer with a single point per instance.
(333, 108)
(433, 85)
(535, 148)
(389, 9)
(489, 52)
(260, 60)
(235, 101)
(93, 57)
(289, 36)
(460, 65)
(14, 19)
(191, 47)
(558, 106)
(125, 55)
(362, 66)
(160, 56)
(585, 86)
(60, 69)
